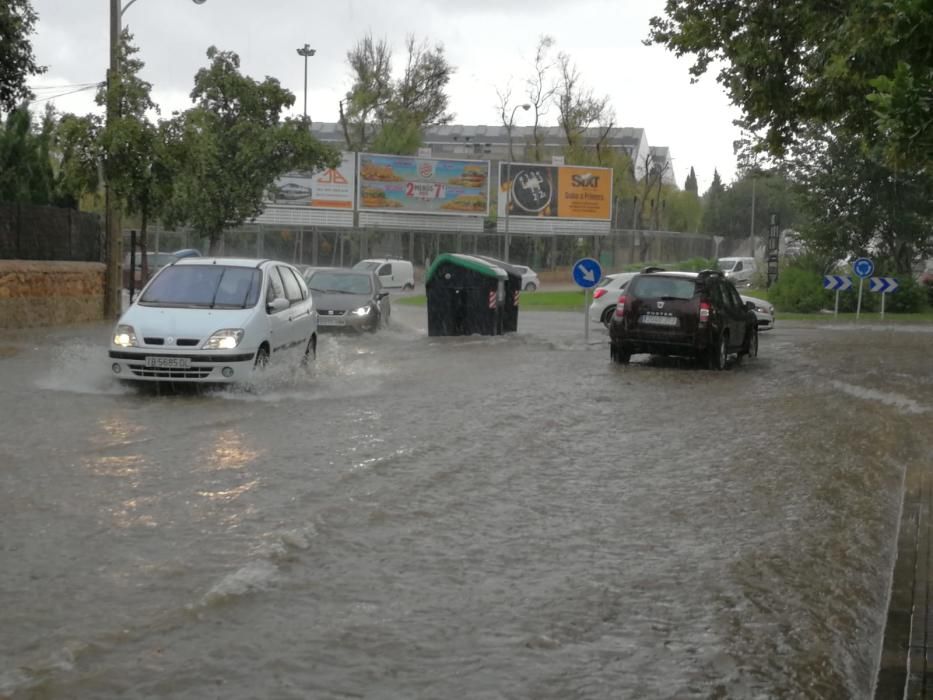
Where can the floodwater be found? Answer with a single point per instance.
(483, 518)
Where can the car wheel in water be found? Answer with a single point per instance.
(619, 356)
(717, 353)
(262, 358)
(530, 287)
(310, 351)
(753, 345)
(607, 316)
(408, 287)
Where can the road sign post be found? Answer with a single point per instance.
(586, 274)
(836, 283)
(883, 286)
(863, 267)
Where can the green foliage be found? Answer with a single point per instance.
(78, 149)
(227, 150)
(25, 167)
(729, 210)
(799, 290)
(691, 185)
(863, 68)
(386, 115)
(17, 62)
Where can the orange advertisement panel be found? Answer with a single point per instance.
(584, 193)
(555, 191)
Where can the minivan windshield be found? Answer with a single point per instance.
(655, 287)
(726, 265)
(204, 287)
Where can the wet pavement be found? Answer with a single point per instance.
(422, 517)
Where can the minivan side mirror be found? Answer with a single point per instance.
(750, 305)
(276, 305)
(383, 295)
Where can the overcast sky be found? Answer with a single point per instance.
(490, 42)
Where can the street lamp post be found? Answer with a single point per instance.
(508, 191)
(306, 51)
(113, 241)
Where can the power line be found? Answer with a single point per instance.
(36, 88)
(63, 94)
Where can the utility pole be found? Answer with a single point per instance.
(113, 248)
(306, 51)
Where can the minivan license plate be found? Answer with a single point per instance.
(168, 362)
(659, 320)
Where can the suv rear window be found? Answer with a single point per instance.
(657, 287)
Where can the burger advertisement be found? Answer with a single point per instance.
(408, 184)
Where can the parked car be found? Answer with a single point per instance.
(739, 271)
(214, 320)
(348, 299)
(605, 295)
(530, 282)
(764, 310)
(156, 262)
(392, 273)
(695, 314)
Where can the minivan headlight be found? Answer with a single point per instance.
(362, 311)
(225, 339)
(125, 336)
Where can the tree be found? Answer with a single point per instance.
(540, 90)
(578, 108)
(386, 115)
(862, 67)
(227, 150)
(856, 204)
(25, 165)
(17, 62)
(79, 158)
(691, 185)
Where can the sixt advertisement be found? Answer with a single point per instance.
(406, 184)
(324, 189)
(557, 191)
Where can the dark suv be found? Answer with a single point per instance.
(697, 314)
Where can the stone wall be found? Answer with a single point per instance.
(48, 293)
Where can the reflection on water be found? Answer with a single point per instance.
(228, 451)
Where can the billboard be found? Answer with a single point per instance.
(406, 184)
(321, 189)
(555, 191)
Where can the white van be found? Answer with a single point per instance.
(739, 271)
(392, 273)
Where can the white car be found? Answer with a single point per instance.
(764, 310)
(529, 278)
(605, 296)
(393, 273)
(214, 320)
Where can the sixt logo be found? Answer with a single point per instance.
(586, 180)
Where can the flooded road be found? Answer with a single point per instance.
(487, 518)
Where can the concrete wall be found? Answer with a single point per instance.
(46, 293)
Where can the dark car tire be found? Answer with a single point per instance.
(530, 287)
(619, 355)
(607, 316)
(262, 358)
(408, 287)
(752, 350)
(310, 351)
(716, 355)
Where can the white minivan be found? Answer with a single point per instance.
(739, 271)
(392, 273)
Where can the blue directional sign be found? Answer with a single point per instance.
(883, 285)
(837, 283)
(587, 272)
(863, 267)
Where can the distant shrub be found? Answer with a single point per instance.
(798, 290)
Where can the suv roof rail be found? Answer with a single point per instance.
(652, 268)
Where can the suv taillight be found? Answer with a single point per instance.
(704, 312)
(620, 306)
(599, 293)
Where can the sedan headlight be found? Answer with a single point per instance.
(125, 336)
(225, 339)
(362, 311)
